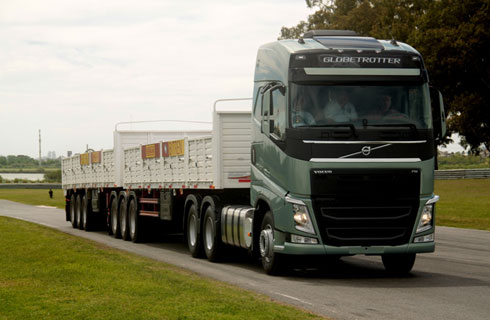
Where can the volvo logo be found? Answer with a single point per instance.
(366, 151)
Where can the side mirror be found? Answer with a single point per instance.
(438, 114)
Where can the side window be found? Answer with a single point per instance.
(278, 114)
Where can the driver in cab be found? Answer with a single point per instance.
(339, 109)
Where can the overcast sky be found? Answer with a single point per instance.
(73, 69)
(76, 68)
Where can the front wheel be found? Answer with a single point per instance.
(193, 240)
(398, 263)
(271, 262)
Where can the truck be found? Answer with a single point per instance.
(335, 157)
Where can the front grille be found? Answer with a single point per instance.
(365, 207)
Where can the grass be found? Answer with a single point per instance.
(34, 197)
(46, 274)
(464, 203)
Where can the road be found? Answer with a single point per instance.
(452, 283)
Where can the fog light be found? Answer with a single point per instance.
(300, 239)
(427, 238)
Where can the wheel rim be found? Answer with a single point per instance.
(132, 221)
(209, 229)
(266, 242)
(84, 212)
(73, 203)
(192, 230)
(79, 211)
(123, 218)
(114, 219)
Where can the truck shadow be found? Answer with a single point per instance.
(358, 272)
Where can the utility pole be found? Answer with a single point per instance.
(39, 147)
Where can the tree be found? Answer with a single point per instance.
(454, 38)
(452, 35)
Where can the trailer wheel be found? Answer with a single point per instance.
(88, 219)
(83, 212)
(116, 231)
(134, 225)
(398, 263)
(78, 209)
(271, 262)
(211, 235)
(193, 240)
(123, 219)
(73, 210)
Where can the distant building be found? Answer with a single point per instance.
(51, 155)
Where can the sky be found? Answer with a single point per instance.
(73, 69)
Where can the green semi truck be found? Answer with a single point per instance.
(336, 158)
(344, 149)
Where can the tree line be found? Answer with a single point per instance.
(22, 161)
(453, 36)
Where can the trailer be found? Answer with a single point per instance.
(335, 157)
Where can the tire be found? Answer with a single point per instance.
(271, 262)
(73, 210)
(114, 225)
(123, 220)
(194, 241)
(78, 209)
(400, 264)
(134, 224)
(88, 215)
(211, 235)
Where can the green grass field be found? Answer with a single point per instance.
(35, 197)
(464, 203)
(46, 274)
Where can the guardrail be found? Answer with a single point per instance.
(462, 174)
(30, 185)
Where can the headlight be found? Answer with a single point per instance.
(425, 222)
(301, 216)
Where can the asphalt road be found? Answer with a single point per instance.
(452, 283)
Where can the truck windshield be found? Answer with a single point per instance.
(359, 105)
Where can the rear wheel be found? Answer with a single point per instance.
(211, 235)
(134, 225)
(398, 263)
(123, 219)
(271, 261)
(83, 212)
(193, 240)
(116, 231)
(73, 210)
(88, 215)
(78, 209)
